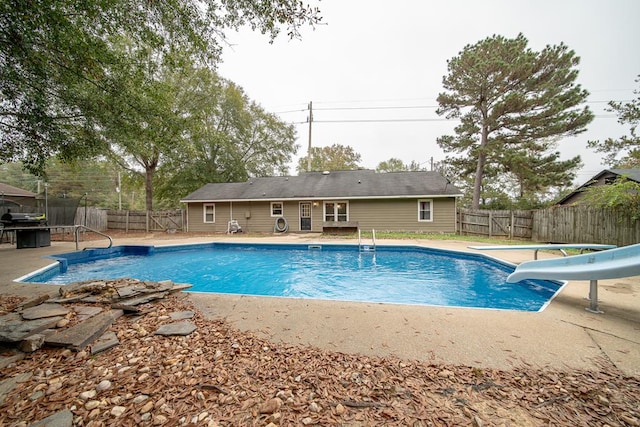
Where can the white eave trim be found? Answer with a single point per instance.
(296, 199)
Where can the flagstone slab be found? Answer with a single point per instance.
(180, 287)
(177, 328)
(62, 418)
(143, 299)
(70, 299)
(79, 336)
(83, 312)
(131, 290)
(12, 356)
(44, 310)
(182, 315)
(9, 384)
(105, 342)
(13, 328)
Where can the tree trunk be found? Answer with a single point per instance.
(477, 182)
(148, 187)
(482, 159)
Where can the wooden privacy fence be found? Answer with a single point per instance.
(582, 224)
(94, 218)
(146, 220)
(511, 224)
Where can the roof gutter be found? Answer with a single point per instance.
(295, 199)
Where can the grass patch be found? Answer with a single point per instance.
(397, 235)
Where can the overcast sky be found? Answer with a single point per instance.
(373, 54)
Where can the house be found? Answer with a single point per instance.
(327, 201)
(605, 177)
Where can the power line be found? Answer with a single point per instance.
(382, 120)
(290, 111)
(609, 116)
(401, 107)
(379, 108)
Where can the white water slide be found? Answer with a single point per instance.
(608, 264)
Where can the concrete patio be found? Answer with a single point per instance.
(563, 336)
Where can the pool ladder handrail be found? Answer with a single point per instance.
(365, 247)
(77, 231)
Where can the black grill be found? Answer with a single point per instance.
(18, 219)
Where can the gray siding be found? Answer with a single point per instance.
(382, 215)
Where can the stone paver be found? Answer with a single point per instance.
(63, 418)
(177, 328)
(10, 383)
(105, 342)
(44, 310)
(14, 329)
(182, 315)
(79, 336)
(83, 312)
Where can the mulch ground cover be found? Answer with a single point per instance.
(220, 376)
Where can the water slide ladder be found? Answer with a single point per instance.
(363, 247)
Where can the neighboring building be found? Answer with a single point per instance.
(605, 177)
(13, 197)
(327, 201)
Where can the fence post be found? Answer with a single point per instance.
(147, 220)
(126, 227)
(511, 226)
(490, 224)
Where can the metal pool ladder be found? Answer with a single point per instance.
(364, 247)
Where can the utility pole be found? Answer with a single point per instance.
(310, 120)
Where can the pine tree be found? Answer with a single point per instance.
(511, 101)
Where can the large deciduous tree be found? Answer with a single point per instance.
(627, 145)
(52, 50)
(149, 126)
(511, 101)
(335, 157)
(226, 137)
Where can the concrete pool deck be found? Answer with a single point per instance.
(563, 336)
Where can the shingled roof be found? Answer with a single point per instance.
(632, 174)
(356, 184)
(10, 190)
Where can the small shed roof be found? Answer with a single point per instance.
(632, 174)
(10, 190)
(355, 184)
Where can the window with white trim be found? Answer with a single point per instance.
(209, 212)
(277, 209)
(336, 211)
(425, 210)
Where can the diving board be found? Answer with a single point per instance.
(608, 264)
(560, 247)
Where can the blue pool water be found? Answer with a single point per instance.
(393, 274)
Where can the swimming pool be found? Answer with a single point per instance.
(391, 274)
